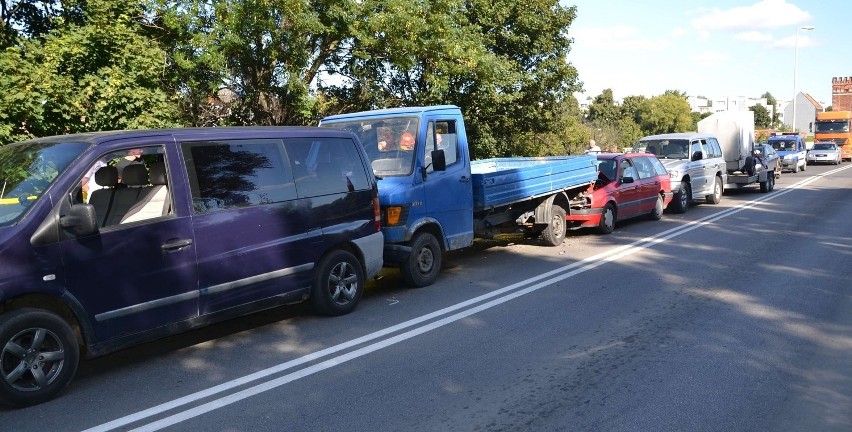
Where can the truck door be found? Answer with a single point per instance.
(449, 193)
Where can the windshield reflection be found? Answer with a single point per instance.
(389, 142)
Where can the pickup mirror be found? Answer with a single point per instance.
(697, 156)
(439, 161)
(80, 220)
(626, 180)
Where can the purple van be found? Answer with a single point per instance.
(111, 239)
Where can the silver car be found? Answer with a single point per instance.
(824, 152)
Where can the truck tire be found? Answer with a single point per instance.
(554, 234)
(44, 345)
(716, 196)
(607, 223)
(680, 203)
(338, 284)
(423, 265)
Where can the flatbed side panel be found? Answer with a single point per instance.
(503, 181)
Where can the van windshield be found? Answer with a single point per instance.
(27, 170)
(389, 142)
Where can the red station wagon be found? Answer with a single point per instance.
(628, 185)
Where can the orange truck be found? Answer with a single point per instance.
(836, 127)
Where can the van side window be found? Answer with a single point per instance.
(324, 166)
(237, 173)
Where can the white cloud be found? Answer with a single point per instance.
(761, 15)
(621, 37)
(679, 32)
(790, 41)
(754, 36)
(710, 58)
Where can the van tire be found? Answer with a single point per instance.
(424, 263)
(55, 357)
(338, 284)
(554, 234)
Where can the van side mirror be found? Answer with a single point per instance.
(439, 161)
(81, 220)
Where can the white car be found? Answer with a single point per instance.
(824, 152)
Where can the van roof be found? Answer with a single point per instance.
(95, 138)
(678, 135)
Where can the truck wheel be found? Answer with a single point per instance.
(716, 196)
(38, 356)
(555, 231)
(607, 223)
(338, 284)
(423, 265)
(657, 212)
(680, 204)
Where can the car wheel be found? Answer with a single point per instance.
(657, 212)
(716, 196)
(338, 284)
(682, 198)
(804, 166)
(555, 231)
(607, 223)
(795, 167)
(39, 356)
(424, 263)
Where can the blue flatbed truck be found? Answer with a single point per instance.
(434, 199)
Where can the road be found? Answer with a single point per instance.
(731, 317)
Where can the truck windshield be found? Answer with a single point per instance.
(388, 141)
(664, 148)
(832, 126)
(27, 170)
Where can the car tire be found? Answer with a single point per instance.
(607, 222)
(804, 166)
(45, 345)
(338, 284)
(657, 212)
(716, 196)
(424, 263)
(795, 168)
(554, 234)
(682, 198)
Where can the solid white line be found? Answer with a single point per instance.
(572, 269)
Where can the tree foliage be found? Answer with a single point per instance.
(666, 113)
(762, 118)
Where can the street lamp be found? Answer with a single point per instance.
(795, 67)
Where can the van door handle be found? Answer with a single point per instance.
(177, 244)
(464, 179)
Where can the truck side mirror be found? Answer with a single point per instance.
(439, 161)
(80, 220)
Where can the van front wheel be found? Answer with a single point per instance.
(38, 356)
(423, 265)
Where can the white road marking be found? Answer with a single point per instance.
(508, 293)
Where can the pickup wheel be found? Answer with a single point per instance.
(424, 263)
(38, 356)
(680, 203)
(716, 196)
(607, 223)
(338, 284)
(554, 234)
(657, 212)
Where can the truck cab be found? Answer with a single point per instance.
(791, 149)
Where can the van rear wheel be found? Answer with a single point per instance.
(424, 263)
(338, 284)
(38, 356)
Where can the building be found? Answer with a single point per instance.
(841, 94)
(806, 109)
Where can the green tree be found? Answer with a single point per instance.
(775, 116)
(665, 114)
(34, 19)
(630, 107)
(762, 118)
(102, 75)
(603, 109)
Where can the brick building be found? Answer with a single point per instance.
(841, 93)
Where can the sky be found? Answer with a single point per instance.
(711, 48)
